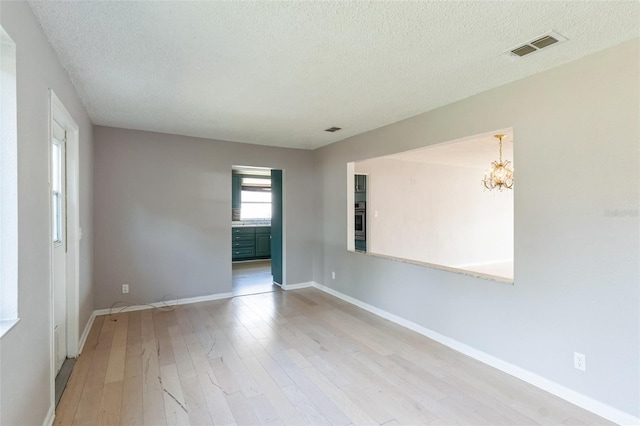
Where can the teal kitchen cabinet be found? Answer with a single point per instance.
(250, 242)
(236, 188)
(263, 241)
(243, 243)
(236, 196)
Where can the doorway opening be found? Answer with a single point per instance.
(256, 230)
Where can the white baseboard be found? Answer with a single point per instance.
(51, 415)
(298, 286)
(583, 401)
(163, 304)
(85, 332)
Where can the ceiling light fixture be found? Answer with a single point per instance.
(501, 174)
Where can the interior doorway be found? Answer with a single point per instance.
(64, 237)
(256, 230)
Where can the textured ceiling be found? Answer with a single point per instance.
(279, 73)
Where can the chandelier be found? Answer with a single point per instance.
(501, 174)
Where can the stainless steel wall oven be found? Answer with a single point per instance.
(360, 221)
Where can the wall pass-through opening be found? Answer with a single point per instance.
(432, 206)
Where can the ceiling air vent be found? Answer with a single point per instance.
(538, 43)
(332, 129)
(523, 50)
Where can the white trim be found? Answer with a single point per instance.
(9, 221)
(298, 286)
(583, 401)
(163, 304)
(7, 324)
(51, 415)
(283, 213)
(85, 333)
(351, 231)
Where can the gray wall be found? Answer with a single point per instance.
(25, 350)
(163, 214)
(576, 146)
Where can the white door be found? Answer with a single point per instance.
(59, 241)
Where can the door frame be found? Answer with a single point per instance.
(283, 232)
(58, 112)
(284, 227)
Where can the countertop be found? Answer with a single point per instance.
(245, 223)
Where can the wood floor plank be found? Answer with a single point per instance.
(285, 410)
(272, 367)
(134, 334)
(115, 368)
(180, 353)
(352, 410)
(66, 409)
(163, 342)
(132, 393)
(110, 405)
(242, 411)
(304, 406)
(150, 354)
(294, 357)
(89, 404)
(214, 399)
(175, 407)
(153, 411)
(195, 401)
(318, 399)
(264, 411)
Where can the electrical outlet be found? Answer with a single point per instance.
(580, 361)
(125, 288)
(333, 275)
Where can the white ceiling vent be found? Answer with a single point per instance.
(542, 41)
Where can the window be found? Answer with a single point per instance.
(255, 198)
(8, 186)
(56, 189)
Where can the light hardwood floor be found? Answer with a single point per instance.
(252, 277)
(295, 357)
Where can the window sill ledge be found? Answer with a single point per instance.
(6, 325)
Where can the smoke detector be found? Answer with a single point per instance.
(543, 41)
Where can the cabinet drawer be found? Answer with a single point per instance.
(242, 237)
(243, 230)
(243, 243)
(243, 252)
